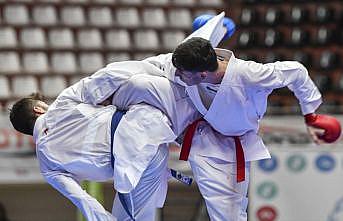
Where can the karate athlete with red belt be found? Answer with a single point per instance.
(231, 94)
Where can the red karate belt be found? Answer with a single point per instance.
(187, 143)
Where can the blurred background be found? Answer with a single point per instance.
(46, 45)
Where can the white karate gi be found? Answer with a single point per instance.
(73, 144)
(234, 108)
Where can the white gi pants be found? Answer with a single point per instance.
(226, 200)
(141, 203)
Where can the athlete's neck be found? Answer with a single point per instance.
(220, 72)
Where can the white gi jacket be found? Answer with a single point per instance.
(240, 101)
(134, 82)
(73, 144)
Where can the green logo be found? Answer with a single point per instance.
(267, 190)
(296, 163)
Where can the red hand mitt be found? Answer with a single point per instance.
(330, 125)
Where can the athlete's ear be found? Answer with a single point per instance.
(40, 107)
(38, 110)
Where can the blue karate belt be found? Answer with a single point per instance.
(116, 117)
(123, 197)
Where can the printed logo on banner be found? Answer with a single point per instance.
(268, 165)
(267, 190)
(325, 163)
(296, 163)
(266, 213)
(337, 213)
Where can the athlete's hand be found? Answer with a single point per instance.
(203, 19)
(323, 128)
(315, 133)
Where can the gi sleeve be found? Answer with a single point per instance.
(97, 87)
(281, 74)
(69, 187)
(103, 83)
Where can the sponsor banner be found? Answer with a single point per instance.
(306, 185)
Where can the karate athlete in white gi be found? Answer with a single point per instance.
(74, 140)
(231, 94)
